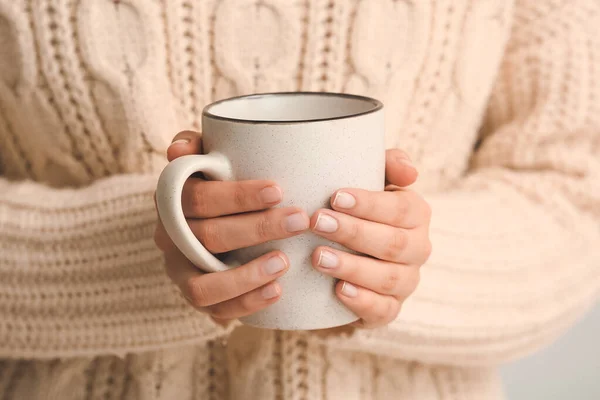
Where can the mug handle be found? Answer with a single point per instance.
(168, 202)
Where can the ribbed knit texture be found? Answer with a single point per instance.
(496, 101)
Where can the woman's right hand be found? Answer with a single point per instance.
(224, 216)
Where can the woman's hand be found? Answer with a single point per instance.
(226, 216)
(391, 228)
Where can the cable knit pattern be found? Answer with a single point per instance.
(498, 103)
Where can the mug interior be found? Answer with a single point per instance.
(291, 107)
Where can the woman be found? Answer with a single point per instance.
(495, 102)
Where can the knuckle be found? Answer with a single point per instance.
(391, 281)
(240, 197)
(396, 246)
(400, 211)
(196, 293)
(200, 202)
(353, 232)
(264, 227)
(210, 236)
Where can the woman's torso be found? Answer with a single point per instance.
(94, 88)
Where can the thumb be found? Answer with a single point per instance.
(399, 170)
(185, 143)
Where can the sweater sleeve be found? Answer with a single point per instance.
(80, 275)
(516, 244)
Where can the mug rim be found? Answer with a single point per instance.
(377, 105)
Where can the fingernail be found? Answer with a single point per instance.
(270, 194)
(344, 200)
(269, 292)
(328, 259)
(274, 265)
(405, 161)
(180, 141)
(349, 290)
(296, 222)
(326, 223)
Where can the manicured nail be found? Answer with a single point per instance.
(328, 259)
(274, 265)
(271, 194)
(344, 200)
(296, 222)
(349, 290)
(269, 292)
(326, 223)
(180, 141)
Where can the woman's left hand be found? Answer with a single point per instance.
(391, 229)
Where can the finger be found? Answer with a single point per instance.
(223, 234)
(372, 308)
(204, 290)
(185, 143)
(162, 239)
(208, 199)
(399, 170)
(248, 303)
(379, 276)
(406, 246)
(401, 208)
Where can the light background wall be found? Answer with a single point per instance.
(567, 370)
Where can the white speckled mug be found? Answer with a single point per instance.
(311, 144)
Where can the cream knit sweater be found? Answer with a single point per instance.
(497, 102)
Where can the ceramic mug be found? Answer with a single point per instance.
(311, 144)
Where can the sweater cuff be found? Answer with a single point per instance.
(80, 274)
(505, 278)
